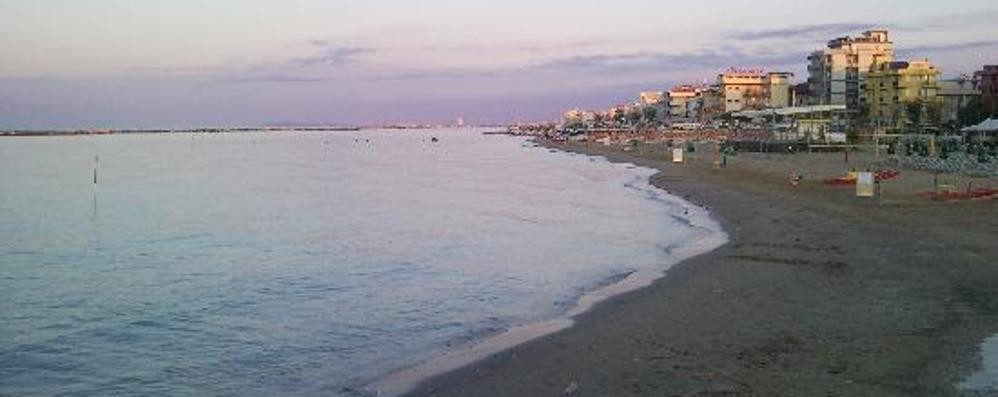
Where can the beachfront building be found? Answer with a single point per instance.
(578, 117)
(986, 81)
(710, 105)
(812, 123)
(683, 102)
(955, 95)
(743, 89)
(902, 93)
(779, 89)
(654, 106)
(621, 115)
(837, 74)
(754, 89)
(651, 98)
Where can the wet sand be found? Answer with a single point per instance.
(818, 293)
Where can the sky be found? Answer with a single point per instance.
(193, 63)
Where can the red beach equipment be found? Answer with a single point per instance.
(886, 175)
(840, 181)
(975, 194)
(850, 180)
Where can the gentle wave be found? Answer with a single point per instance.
(303, 263)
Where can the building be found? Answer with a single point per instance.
(683, 101)
(578, 116)
(813, 123)
(955, 95)
(986, 81)
(743, 89)
(753, 89)
(710, 104)
(837, 74)
(779, 89)
(651, 98)
(800, 94)
(903, 93)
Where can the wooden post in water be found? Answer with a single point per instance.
(96, 166)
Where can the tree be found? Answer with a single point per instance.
(934, 113)
(972, 114)
(914, 112)
(634, 117)
(864, 119)
(619, 118)
(650, 114)
(598, 120)
(574, 125)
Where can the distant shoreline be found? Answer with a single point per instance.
(222, 130)
(170, 131)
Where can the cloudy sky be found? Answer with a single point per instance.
(180, 63)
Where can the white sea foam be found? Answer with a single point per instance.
(986, 379)
(706, 236)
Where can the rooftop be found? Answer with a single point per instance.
(869, 36)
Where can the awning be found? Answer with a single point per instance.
(989, 125)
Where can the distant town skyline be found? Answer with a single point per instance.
(183, 63)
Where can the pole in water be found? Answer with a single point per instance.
(96, 165)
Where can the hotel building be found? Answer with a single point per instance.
(682, 101)
(954, 95)
(651, 98)
(779, 89)
(753, 89)
(987, 84)
(893, 87)
(837, 74)
(577, 116)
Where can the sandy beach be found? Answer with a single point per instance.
(818, 293)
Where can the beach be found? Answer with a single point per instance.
(817, 293)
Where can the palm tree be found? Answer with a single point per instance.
(634, 117)
(650, 115)
(598, 120)
(619, 117)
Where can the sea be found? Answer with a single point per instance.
(302, 263)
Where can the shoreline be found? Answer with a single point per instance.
(407, 380)
(815, 293)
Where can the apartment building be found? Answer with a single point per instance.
(893, 88)
(837, 74)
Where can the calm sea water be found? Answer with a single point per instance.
(297, 263)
